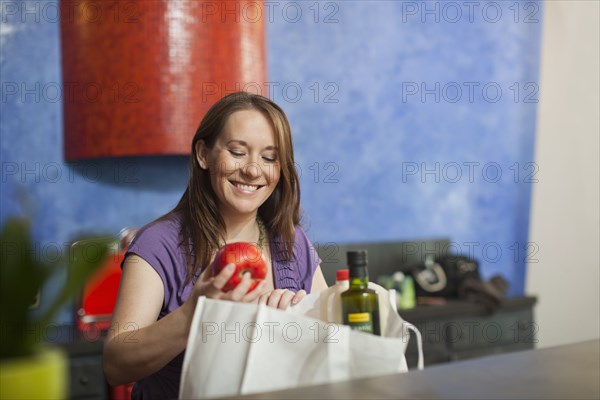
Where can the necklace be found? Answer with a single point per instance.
(261, 232)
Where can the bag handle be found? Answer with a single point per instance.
(411, 327)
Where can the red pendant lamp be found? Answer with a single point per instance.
(139, 76)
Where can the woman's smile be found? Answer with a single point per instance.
(245, 188)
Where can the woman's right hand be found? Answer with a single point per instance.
(212, 286)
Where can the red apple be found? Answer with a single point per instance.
(247, 258)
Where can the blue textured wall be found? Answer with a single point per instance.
(383, 60)
(364, 133)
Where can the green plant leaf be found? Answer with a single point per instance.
(84, 259)
(21, 275)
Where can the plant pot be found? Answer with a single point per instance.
(43, 375)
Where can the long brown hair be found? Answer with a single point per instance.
(202, 226)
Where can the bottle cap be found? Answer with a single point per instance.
(357, 258)
(342, 275)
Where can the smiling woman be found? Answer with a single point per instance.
(243, 187)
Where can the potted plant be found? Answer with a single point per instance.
(28, 367)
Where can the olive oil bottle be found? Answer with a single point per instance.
(360, 305)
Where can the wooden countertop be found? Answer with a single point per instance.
(570, 371)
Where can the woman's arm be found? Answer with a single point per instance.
(137, 344)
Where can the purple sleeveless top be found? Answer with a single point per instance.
(159, 244)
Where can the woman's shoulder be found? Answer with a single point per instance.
(300, 234)
(165, 229)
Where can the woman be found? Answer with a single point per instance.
(242, 187)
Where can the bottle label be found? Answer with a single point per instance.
(359, 317)
(361, 322)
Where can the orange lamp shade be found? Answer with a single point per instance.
(138, 76)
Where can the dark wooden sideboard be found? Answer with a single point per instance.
(461, 330)
(86, 375)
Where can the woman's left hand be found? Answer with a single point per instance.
(281, 298)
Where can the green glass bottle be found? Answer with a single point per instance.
(360, 305)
